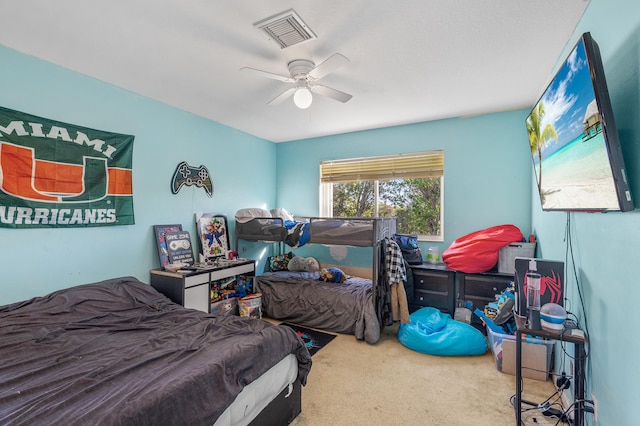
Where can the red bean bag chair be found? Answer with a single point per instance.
(478, 251)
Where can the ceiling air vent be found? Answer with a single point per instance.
(286, 29)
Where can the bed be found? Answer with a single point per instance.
(359, 307)
(301, 298)
(119, 352)
(277, 225)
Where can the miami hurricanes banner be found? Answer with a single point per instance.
(55, 174)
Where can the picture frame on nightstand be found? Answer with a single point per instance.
(179, 247)
(159, 232)
(213, 235)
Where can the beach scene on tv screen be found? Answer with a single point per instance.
(568, 143)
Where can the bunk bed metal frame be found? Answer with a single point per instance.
(357, 232)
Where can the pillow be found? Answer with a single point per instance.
(245, 215)
(332, 275)
(280, 263)
(282, 214)
(303, 264)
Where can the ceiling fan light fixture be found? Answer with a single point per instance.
(303, 74)
(303, 97)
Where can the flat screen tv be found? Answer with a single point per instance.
(574, 141)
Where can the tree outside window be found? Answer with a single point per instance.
(415, 201)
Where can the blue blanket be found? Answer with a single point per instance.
(298, 233)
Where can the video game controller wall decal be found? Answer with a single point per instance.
(186, 175)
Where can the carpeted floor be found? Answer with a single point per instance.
(354, 383)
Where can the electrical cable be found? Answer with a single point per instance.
(570, 255)
(571, 408)
(546, 406)
(569, 252)
(586, 346)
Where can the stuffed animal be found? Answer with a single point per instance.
(303, 264)
(332, 275)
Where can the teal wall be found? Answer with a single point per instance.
(606, 246)
(37, 261)
(487, 164)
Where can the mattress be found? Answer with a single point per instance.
(119, 352)
(361, 232)
(259, 393)
(355, 232)
(301, 298)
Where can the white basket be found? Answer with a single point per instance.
(507, 255)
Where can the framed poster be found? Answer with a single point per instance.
(179, 247)
(160, 231)
(212, 235)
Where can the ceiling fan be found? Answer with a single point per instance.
(304, 74)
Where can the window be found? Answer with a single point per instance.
(407, 186)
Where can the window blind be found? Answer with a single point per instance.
(401, 166)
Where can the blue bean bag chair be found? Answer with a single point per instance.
(435, 333)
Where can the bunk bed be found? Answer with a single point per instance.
(256, 224)
(119, 352)
(356, 307)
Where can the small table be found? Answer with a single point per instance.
(191, 289)
(573, 335)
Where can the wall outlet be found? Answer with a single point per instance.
(595, 408)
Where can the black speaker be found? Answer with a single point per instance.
(563, 382)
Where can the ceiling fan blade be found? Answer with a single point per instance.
(268, 74)
(331, 93)
(282, 96)
(328, 66)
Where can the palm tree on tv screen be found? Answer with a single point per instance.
(538, 136)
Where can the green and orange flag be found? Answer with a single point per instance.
(55, 174)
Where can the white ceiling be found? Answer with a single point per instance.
(410, 60)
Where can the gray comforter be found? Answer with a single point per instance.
(119, 353)
(301, 298)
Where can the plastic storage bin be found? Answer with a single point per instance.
(225, 307)
(251, 306)
(507, 255)
(536, 354)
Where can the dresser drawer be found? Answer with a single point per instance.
(481, 289)
(435, 288)
(432, 298)
(483, 286)
(433, 280)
